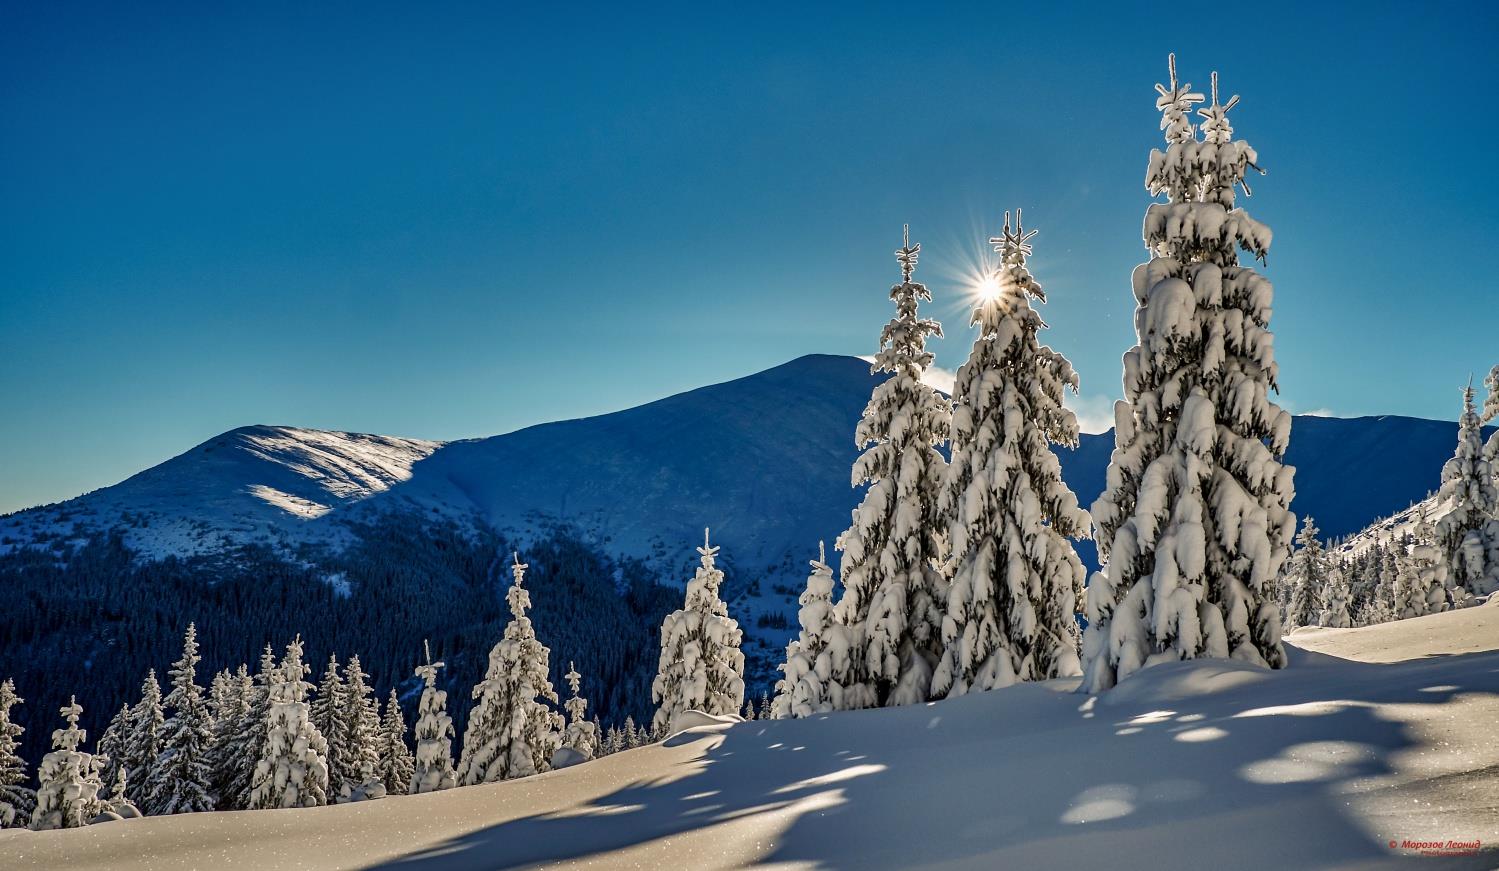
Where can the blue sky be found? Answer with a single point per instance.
(453, 222)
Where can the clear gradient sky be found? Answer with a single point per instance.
(451, 220)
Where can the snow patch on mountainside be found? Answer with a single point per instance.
(256, 483)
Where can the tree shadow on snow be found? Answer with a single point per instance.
(1185, 765)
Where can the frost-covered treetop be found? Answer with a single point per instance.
(71, 737)
(1175, 105)
(518, 598)
(702, 590)
(574, 680)
(428, 672)
(903, 341)
(1215, 126)
(1197, 176)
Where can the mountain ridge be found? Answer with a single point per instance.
(763, 458)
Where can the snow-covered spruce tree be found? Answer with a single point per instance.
(511, 732)
(807, 685)
(396, 766)
(244, 747)
(118, 803)
(581, 734)
(1336, 613)
(230, 702)
(434, 734)
(1424, 590)
(16, 800)
(1376, 604)
(68, 796)
(144, 741)
(1194, 521)
(327, 709)
(748, 713)
(1016, 579)
(110, 748)
(701, 666)
(181, 781)
(361, 726)
(293, 767)
(894, 593)
(1466, 531)
(1308, 577)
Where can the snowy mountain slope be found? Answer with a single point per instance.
(763, 459)
(1372, 740)
(249, 484)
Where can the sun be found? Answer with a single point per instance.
(986, 289)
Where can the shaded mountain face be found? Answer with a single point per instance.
(763, 460)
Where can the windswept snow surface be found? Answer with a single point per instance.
(1373, 737)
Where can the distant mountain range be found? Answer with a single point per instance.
(764, 460)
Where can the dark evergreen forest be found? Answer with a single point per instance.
(89, 620)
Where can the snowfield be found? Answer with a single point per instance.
(1373, 736)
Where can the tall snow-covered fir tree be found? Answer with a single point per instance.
(328, 710)
(434, 733)
(143, 742)
(361, 727)
(396, 767)
(580, 735)
(68, 792)
(1469, 532)
(1016, 579)
(1194, 522)
(293, 767)
(181, 781)
(511, 732)
(894, 593)
(701, 666)
(16, 800)
(807, 685)
(1307, 577)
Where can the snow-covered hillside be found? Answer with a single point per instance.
(763, 459)
(1373, 740)
(252, 484)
